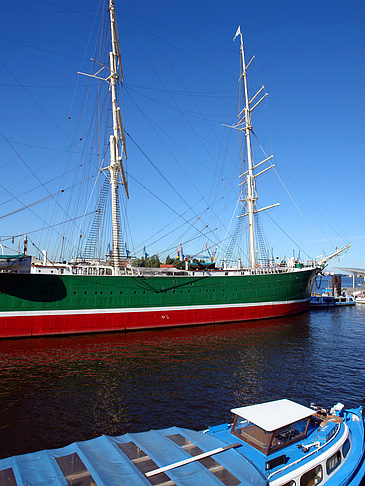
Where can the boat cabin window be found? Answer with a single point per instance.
(345, 447)
(289, 433)
(333, 462)
(268, 442)
(252, 434)
(312, 477)
(7, 477)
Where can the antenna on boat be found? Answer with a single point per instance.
(244, 124)
(117, 138)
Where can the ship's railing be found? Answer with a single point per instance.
(280, 269)
(262, 270)
(153, 272)
(96, 270)
(69, 269)
(106, 270)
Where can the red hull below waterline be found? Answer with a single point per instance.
(112, 320)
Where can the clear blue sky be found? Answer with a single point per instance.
(181, 69)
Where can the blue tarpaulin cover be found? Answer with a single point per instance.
(125, 459)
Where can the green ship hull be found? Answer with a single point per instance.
(32, 304)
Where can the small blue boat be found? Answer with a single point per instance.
(278, 443)
(327, 299)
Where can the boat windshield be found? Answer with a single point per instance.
(265, 441)
(252, 434)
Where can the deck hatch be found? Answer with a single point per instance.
(75, 471)
(7, 477)
(144, 464)
(211, 464)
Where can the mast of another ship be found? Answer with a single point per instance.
(245, 124)
(117, 139)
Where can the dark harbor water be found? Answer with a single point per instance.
(55, 391)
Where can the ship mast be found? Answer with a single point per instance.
(117, 138)
(250, 199)
(116, 154)
(244, 124)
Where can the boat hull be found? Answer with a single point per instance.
(38, 305)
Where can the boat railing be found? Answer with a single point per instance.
(315, 450)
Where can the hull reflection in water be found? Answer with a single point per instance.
(55, 391)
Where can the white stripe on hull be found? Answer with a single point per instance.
(125, 310)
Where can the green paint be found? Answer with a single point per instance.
(29, 292)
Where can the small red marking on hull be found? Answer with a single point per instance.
(46, 325)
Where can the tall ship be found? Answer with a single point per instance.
(89, 296)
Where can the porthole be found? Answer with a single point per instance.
(345, 448)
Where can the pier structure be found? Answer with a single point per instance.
(354, 272)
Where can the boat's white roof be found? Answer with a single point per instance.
(274, 415)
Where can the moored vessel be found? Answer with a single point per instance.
(94, 297)
(278, 443)
(327, 299)
(360, 299)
